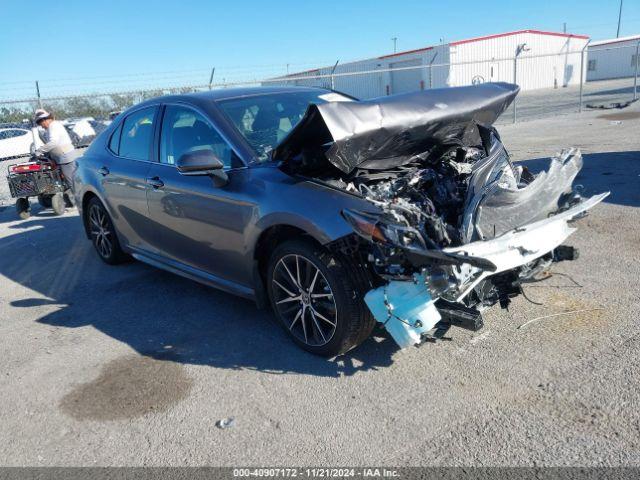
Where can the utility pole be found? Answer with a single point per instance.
(38, 94)
(395, 41)
(619, 19)
(213, 70)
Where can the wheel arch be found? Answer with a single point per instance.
(266, 243)
(86, 198)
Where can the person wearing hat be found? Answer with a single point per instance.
(57, 144)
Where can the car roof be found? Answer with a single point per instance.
(228, 93)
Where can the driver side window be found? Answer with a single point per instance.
(186, 131)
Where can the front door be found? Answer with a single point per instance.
(196, 222)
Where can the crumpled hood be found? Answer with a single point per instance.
(367, 132)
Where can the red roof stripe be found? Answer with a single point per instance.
(537, 32)
(602, 43)
(406, 52)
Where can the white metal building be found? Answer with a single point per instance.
(548, 59)
(614, 58)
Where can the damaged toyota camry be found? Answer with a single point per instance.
(404, 210)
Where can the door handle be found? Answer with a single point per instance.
(104, 171)
(155, 182)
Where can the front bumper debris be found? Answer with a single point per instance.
(410, 313)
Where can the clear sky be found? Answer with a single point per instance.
(113, 44)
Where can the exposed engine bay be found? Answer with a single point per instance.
(454, 226)
(429, 192)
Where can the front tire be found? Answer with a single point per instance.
(317, 298)
(103, 234)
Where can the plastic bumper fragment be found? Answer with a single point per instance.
(405, 308)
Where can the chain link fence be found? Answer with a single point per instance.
(552, 84)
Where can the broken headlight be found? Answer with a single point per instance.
(439, 280)
(374, 228)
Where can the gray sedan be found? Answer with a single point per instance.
(337, 213)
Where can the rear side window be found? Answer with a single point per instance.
(137, 133)
(114, 142)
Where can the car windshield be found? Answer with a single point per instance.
(264, 120)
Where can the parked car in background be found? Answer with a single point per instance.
(18, 141)
(83, 130)
(405, 210)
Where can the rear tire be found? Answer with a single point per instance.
(57, 204)
(103, 234)
(23, 209)
(44, 200)
(307, 309)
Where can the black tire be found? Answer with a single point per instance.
(69, 199)
(23, 209)
(103, 234)
(44, 201)
(339, 283)
(57, 204)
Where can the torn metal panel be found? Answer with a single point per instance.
(383, 132)
(497, 201)
(506, 207)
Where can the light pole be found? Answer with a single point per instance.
(521, 48)
(582, 72)
(635, 75)
(333, 83)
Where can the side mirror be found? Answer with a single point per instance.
(202, 162)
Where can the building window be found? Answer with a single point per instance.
(591, 66)
(633, 59)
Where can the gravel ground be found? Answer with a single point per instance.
(133, 366)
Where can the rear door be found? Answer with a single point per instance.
(124, 175)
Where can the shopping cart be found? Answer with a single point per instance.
(39, 177)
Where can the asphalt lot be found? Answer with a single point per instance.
(550, 102)
(133, 366)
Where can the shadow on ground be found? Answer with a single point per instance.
(613, 91)
(166, 317)
(158, 314)
(617, 172)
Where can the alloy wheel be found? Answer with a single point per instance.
(101, 233)
(304, 300)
